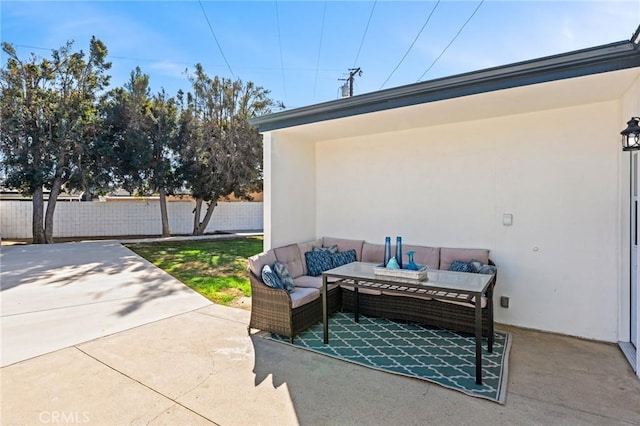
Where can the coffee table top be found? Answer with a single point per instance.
(444, 280)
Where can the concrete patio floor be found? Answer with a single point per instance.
(56, 295)
(199, 366)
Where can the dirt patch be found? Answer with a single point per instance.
(242, 302)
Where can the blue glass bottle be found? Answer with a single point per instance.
(387, 250)
(399, 251)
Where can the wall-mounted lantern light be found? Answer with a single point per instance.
(631, 135)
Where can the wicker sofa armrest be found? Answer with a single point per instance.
(272, 311)
(270, 308)
(265, 297)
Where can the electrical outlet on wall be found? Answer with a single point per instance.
(504, 301)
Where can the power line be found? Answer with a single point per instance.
(150, 60)
(365, 33)
(315, 83)
(216, 38)
(451, 42)
(414, 42)
(284, 81)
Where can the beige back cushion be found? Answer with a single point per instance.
(429, 256)
(448, 255)
(290, 256)
(259, 260)
(373, 253)
(344, 245)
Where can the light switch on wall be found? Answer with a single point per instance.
(507, 219)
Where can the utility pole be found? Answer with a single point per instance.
(349, 81)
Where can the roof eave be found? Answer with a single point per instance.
(606, 58)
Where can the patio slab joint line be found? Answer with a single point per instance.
(146, 386)
(579, 410)
(197, 311)
(78, 305)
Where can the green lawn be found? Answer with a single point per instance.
(217, 269)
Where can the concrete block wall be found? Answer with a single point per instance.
(123, 218)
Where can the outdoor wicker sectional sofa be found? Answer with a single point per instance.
(287, 314)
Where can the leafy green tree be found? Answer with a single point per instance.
(163, 177)
(125, 112)
(48, 127)
(142, 130)
(219, 152)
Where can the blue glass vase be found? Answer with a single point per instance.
(387, 250)
(399, 251)
(411, 265)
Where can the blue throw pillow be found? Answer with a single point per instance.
(270, 278)
(459, 266)
(482, 268)
(487, 269)
(285, 277)
(317, 262)
(342, 258)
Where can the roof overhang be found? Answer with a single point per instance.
(594, 61)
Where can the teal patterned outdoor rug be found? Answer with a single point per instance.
(439, 356)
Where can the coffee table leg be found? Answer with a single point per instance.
(325, 316)
(357, 304)
(490, 316)
(478, 341)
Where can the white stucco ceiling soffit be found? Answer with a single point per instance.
(584, 76)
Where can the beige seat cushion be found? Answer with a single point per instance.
(302, 296)
(308, 281)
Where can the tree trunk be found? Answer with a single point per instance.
(163, 213)
(51, 207)
(38, 217)
(196, 214)
(200, 227)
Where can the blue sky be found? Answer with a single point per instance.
(300, 49)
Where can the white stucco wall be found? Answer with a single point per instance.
(123, 218)
(556, 171)
(289, 190)
(444, 174)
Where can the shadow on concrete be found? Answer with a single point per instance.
(324, 390)
(62, 264)
(55, 296)
(552, 380)
(151, 292)
(55, 276)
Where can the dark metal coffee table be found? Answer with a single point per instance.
(458, 286)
